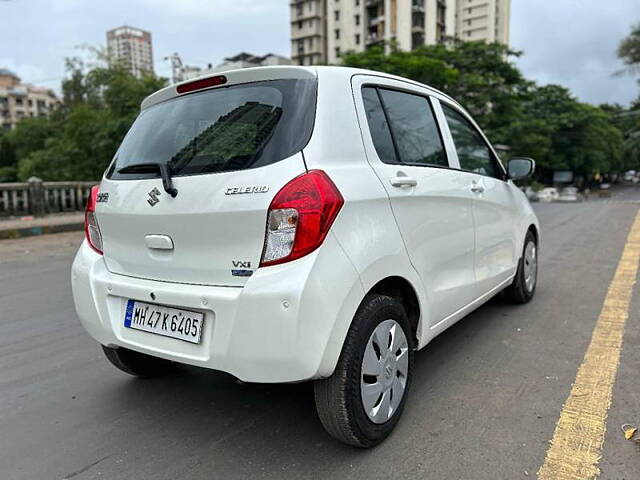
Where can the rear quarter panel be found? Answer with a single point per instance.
(365, 227)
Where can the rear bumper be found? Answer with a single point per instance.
(287, 324)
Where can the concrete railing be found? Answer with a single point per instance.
(40, 198)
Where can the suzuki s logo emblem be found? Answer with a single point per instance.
(153, 197)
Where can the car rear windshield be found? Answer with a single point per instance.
(221, 130)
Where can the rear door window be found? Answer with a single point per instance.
(403, 128)
(378, 126)
(414, 128)
(224, 129)
(473, 152)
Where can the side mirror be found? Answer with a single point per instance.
(520, 167)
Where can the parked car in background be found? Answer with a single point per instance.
(569, 194)
(629, 176)
(548, 194)
(286, 224)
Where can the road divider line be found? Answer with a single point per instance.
(576, 447)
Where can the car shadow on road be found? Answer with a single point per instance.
(253, 429)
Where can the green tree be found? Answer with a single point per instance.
(629, 53)
(32, 133)
(8, 160)
(414, 65)
(562, 133)
(627, 120)
(629, 49)
(78, 141)
(476, 73)
(546, 122)
(7, 153)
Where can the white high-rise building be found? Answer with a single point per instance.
(132, 47)
(308, 32)
(322, 30)
(486, 20)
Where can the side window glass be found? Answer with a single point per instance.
(473, 153)
(414, 128)
(378, 126)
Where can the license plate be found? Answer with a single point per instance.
(168, 321)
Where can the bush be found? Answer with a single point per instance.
(8, 174)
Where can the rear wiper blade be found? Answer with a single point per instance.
(163, 168)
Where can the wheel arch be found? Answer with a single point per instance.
(402, 290)
(534, 229)
(528, 222)
(394, 285)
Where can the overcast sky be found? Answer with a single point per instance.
(570, 42)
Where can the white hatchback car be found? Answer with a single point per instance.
(285, 224)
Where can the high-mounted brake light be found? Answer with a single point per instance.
(202, 83)
(299, 217)
(91, 227)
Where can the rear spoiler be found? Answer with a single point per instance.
(233, 77)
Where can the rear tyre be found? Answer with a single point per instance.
(135, 363)
(361, 403)
(524, 284)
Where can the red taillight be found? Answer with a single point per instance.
(202, 83)
(91, 227)
(300, 217)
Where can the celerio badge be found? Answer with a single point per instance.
(247, 189)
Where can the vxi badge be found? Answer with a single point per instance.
(241, 268)
(247, 189)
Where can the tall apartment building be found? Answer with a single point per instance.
(486, 20)
(309, 31)
(18, 100)
(322, 30)
(131, 47)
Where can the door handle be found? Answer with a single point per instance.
(477, 188)
(403, 181)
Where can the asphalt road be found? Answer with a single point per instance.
(484, 403)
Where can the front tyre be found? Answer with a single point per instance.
(361, 403)
(524, 284)
(135, 363)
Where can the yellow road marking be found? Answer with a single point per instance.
(577, 441)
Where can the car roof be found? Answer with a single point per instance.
(350, 72)
(247, 75)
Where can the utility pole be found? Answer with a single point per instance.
(176, 67)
